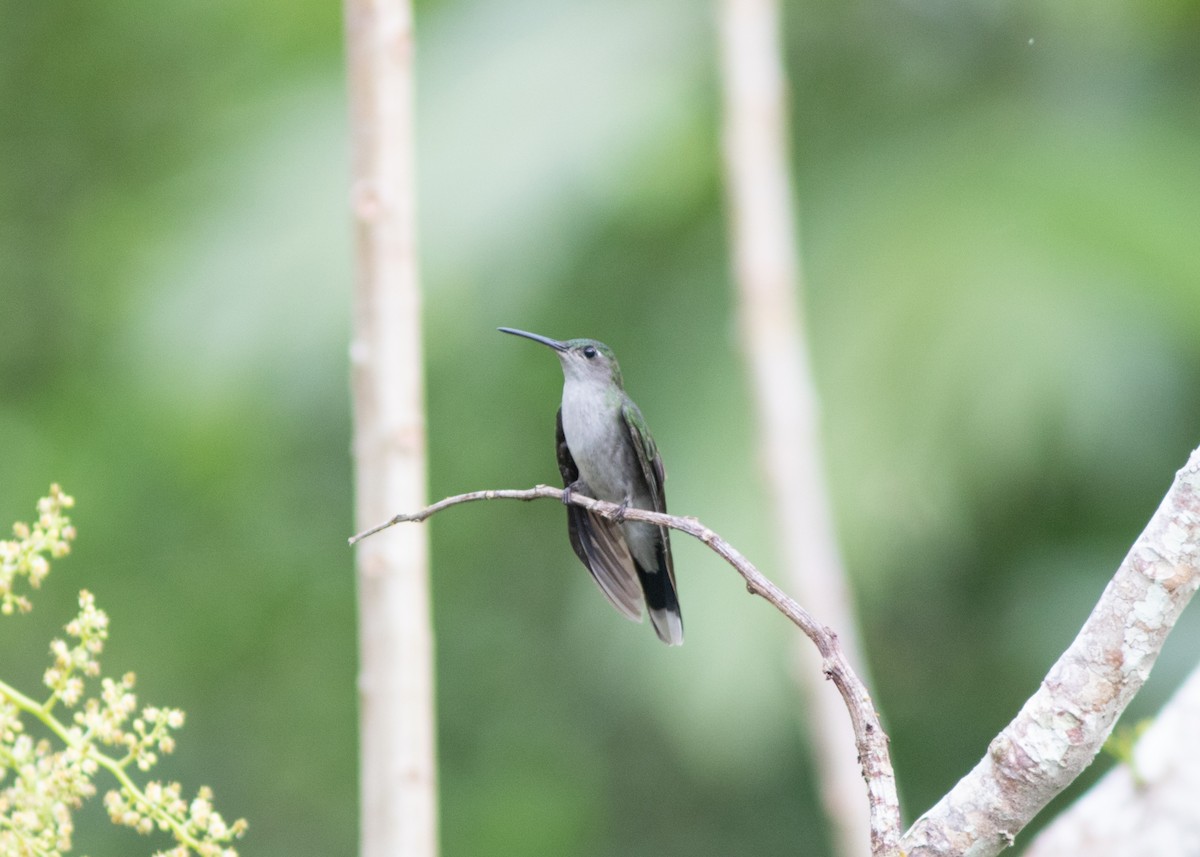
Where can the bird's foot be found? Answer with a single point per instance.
(619, 515)
(571, 489)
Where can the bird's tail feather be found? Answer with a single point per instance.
(663, 603)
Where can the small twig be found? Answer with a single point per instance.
(871, 741)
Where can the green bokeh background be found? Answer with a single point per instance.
(1000, 207)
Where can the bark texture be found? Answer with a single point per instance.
(1151, 807)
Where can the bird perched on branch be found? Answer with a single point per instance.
(605, 451)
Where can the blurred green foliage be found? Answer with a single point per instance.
(999, 206)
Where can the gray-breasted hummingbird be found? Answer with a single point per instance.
(605, 451)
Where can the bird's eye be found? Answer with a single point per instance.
(589, 352)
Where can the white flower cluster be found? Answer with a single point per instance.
(25, 556)
(163, 806)
(40, 786)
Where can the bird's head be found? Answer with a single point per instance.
(582, 359)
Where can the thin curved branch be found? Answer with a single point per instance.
(869, 737)
(1063, 725)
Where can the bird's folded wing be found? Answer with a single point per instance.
(607, 557)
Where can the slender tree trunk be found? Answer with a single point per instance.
(398, 790)
(767, 269)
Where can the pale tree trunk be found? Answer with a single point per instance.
(398, 790)
(1149, 807)
(763, 235)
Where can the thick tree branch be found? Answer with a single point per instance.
(869, 737)
(1146, 806)
(1061, 728)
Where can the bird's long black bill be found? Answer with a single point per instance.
(536, 337)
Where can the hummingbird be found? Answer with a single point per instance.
(605, 451)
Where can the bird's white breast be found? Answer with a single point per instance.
(598, 438)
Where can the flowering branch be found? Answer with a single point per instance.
(869, 737)
(47, 785)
